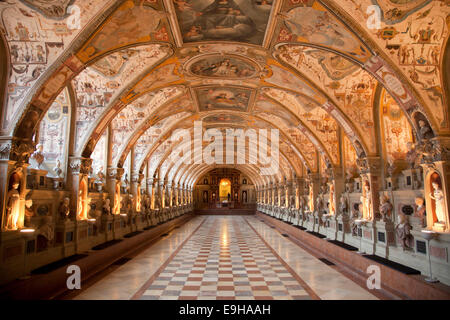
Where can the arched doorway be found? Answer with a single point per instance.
(225, 190)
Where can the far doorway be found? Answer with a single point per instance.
(225, 190)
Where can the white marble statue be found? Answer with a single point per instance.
(13, 207)
(366, 201)
(438, 196)
(38, 156)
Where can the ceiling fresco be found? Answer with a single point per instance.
(132, 71)
(231, 20)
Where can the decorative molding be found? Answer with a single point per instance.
(80, 165)
(115, 173)
(50, 8)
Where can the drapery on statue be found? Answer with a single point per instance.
(38, 156)
(421, 211)
(13, 207)
(438, 196)
(385, 208)
(366, 201)
(64, 209)
(403, 232)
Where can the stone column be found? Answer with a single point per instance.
(79, 169)
(14, 156)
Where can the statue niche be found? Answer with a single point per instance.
(82, 201)
(366, 201)
(14, 214)
(117, 199)
(438, 218)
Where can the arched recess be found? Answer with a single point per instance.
(446, 75)
(5, 66)
(164, 137)
(153, 149)
(414, 101)
(256, 173)
(283, 165)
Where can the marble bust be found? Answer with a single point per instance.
(64, 209)
(421, 211)
(38, 156)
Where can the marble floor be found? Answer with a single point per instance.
(224, 257)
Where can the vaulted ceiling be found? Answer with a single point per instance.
(319, 71)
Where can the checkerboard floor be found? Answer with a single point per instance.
(225, 259)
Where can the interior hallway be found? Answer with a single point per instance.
(224, 257)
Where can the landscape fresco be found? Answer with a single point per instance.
(223, 98)
(219, 66)
(231, 20)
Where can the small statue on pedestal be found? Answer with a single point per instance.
(100, 175)
(125, 184)
(385, 208)
(343, 207)
(438, 196)
(356, 215)
(421, 211)
(319, 204)
(411, 155)
(366, 201)
(64, 209)
(29, 213)
(47, 233)
(403, 232)
(106, 210)
(57, 169)
(38, 156)
(13, 207)
(391, 167)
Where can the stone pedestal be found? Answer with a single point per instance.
(82, 243)
(65, 236)
(132, 222)
(343, 227)
(412, 179)
(118, 224)
(157, 216)
(107, 227)
(37, 179)
(301, 218)
(317, 222)
(368, 238)
(13, 255)
(58, 183)
(391, 183)
(310, 221)
(332, 228)
(384, 232)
